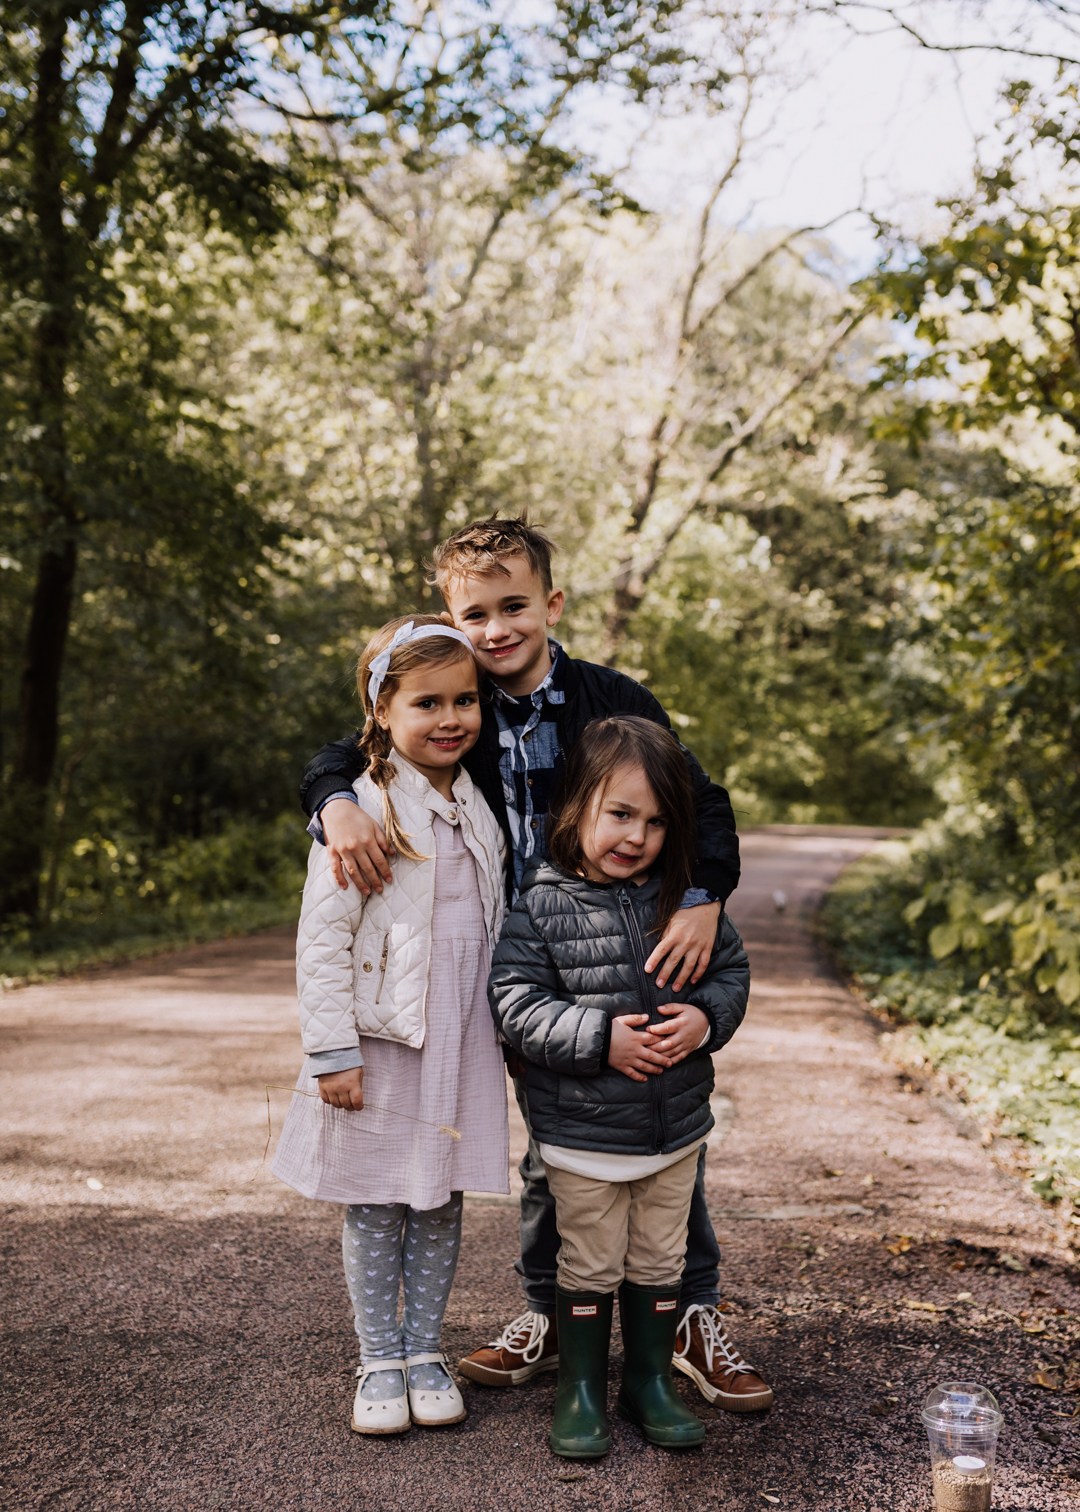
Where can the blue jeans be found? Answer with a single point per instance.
(538, 1263)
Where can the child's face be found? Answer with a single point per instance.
(507, 619)
(433, 715)
(624, 831)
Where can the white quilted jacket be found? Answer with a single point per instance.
(362, 963)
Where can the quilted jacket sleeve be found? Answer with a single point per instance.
(723, 990)
(329, 920)
(523, 991)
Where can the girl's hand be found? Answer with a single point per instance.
(631, 1052)
(343, 1089)
(687, 945)
(682, 1031)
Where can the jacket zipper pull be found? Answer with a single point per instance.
(382, 966)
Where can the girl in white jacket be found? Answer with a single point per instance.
(410, 1108)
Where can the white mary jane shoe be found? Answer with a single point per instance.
(391, 1416)
(434, 1409)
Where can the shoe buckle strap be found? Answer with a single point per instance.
(377, 1366)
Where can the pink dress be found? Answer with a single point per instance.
(456, 1080)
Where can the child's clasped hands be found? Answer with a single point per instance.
(638, 1052)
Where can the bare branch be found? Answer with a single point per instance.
(633, 575)
(902, 24)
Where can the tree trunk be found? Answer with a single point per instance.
(38, 727)
(37, 731)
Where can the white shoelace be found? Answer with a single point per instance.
(531, 1329)
(714, 1339)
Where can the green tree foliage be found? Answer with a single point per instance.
(973, 933)
(107, 113)
(119, 130)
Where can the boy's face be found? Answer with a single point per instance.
(507, 619)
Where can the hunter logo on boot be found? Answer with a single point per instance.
(583, 1310)
(665, 1305)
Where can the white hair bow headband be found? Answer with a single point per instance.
(379, 665)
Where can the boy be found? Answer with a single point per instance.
(495, 578)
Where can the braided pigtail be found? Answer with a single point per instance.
(376, 745)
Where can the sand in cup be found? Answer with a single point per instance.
(962, 1422)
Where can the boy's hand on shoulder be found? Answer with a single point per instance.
(631, 1052)
(343, 1089)
(681, 1033)
(357, 846)
(686, 946)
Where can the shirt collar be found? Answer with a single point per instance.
(552, 687)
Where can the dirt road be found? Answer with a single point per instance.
(176, 1334)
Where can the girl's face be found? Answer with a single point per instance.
(433, 715)
(624, 831)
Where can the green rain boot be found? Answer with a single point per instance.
(579, 1429)
(647, 1396)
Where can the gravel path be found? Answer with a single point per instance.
(176, 1334)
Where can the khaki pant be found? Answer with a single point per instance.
(616, 1230)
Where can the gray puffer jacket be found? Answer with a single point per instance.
(571, 958)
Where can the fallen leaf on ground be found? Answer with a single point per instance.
(884, 1407)
(902, 1245)
(774, 1500)
(1051, 1379)
(867, 1181)
(828, 1171)
(1034, 1328)
(572, 1475)
(924, 1306)
(1010, 1262)
(1048, 1437)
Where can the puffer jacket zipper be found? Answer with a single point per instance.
(637, 949)
(382, 966)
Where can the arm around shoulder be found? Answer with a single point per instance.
(725, 987)
(336, 766)
(717, 866)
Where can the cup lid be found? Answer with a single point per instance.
(962, 1407)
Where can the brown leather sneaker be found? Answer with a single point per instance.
(525, 1347)
(704, 1352)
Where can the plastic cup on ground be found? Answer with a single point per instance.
(962, 1421)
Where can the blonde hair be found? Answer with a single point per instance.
(375, 742)
(481, 550)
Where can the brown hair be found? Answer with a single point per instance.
(480, 549)
(603, 746)
(375, 742)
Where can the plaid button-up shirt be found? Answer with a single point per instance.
(530, 760)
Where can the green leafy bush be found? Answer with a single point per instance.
(973, 961)
(117, 896)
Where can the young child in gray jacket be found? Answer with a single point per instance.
(618, 1074)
